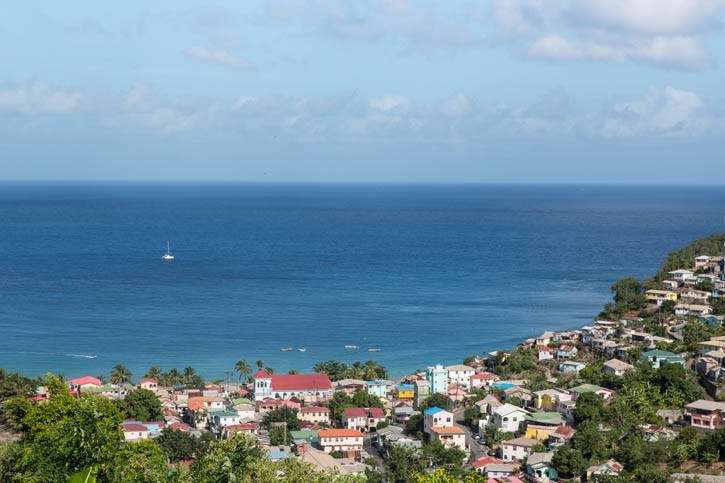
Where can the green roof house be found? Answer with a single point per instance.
(658, 358)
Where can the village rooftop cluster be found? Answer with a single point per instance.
(508, 429)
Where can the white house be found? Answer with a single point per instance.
(508, 418)
(692, 310)
(362, 419)
(436, 417)
(517, 449)
(615, 367)
(340, 440)
(545, 353)
(460, 374)
(681, 275)
(148, 383)
(134, 431)
(224, 418)
(452, 437)
(286, 386)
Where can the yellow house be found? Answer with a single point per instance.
(405, 392)
(660, 296)
(548, 399)
(541, 424)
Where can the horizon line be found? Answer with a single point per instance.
(358, 182)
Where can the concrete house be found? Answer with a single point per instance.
(340, 440)
(615, 367)
(315, 414)
(286, 386)
(708, 415)
(508, 418)
(436, 417)
(437, 377)
(362, 419)
(460, 374)
(517, 449)
(539, 467)
(571, 366)
(657, 358)
(451, 437)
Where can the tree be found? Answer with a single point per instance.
(142, 405)
(82, 433)
(402, 463)
(177, 445)
(363, 399)
(340, 400)
(154, 372)
(260, 364)
(414, 425)
(629, 294)
(440, 455)
(279, 435)
(120, 374)
(589, 407)
(434, 400)
(282, 414)
(589, 440)
(570, 462)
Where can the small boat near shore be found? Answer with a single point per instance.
(302, 349)
(286, 349)
(352, 347)
(373, 350)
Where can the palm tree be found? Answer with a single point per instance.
(174, 377)
(154, 372)
(189, 373)
(269, 370)
(260, 364)
(243, 369)
(120, 374)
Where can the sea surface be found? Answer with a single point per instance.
(425, 273)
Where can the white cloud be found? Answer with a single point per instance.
(221, 57)
(456, 106)
(667, 112)
(556, 48)
(389, 103)
(664, 33)
(36, 98)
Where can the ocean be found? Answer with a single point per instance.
(425, 273)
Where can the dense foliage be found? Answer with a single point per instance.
(336, 370)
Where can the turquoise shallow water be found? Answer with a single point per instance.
(426, 273)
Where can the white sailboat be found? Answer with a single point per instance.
(168, 255)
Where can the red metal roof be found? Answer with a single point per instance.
(485, 461)
(134, 427)
(301, 382)
(261, 374)
(354, 413)
(81, 381)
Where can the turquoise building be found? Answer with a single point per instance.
(377, 388)
(437, 377)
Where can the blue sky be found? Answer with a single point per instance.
(626, 91)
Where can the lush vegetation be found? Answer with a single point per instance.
(336, 370)
(683, 258)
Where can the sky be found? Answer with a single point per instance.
(500, 91)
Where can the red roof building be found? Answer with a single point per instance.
(286, 386)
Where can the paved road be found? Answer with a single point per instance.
(477, 450)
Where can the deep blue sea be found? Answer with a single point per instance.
(425, 273)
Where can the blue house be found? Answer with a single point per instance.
(657, 358)
(712, 320)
